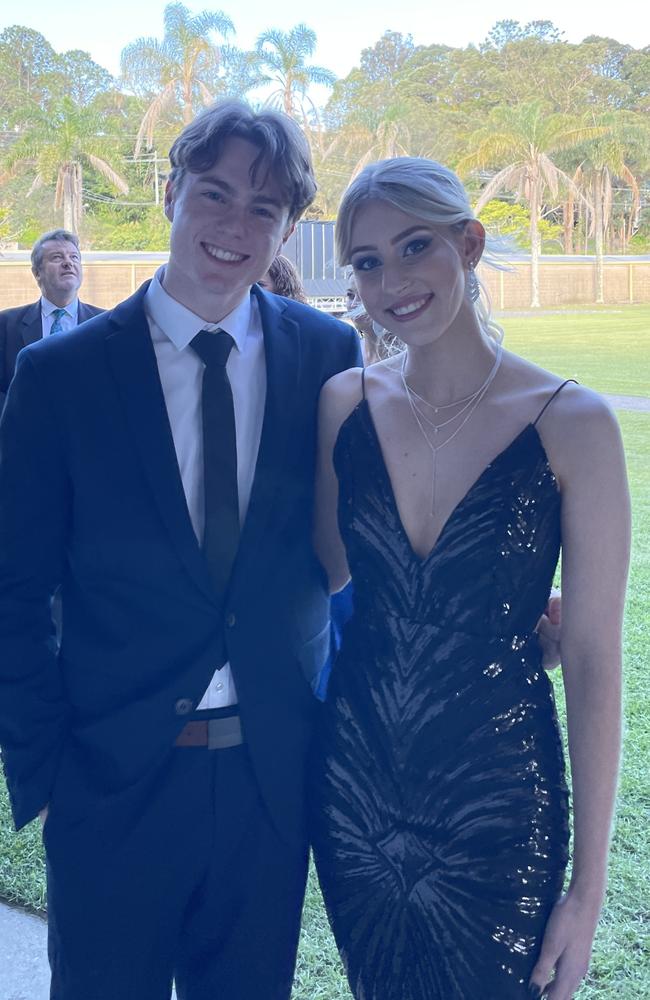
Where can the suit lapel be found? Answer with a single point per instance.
(282, 354)
(84, 313)
(133, 361)
(31, 327)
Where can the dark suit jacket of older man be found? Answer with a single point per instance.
(19, 327)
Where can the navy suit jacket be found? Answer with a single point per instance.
(91, 499)
(22, 326)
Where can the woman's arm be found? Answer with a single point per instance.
(338, 397)
(586, 451)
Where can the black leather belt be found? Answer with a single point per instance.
(215, 734)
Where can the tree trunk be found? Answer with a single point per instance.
(70, 211)
(599, 236)
(568, 223)
(535, 200)
(188, 111)
(78, 192)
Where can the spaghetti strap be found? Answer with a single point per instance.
(551, 398)
(363, 383)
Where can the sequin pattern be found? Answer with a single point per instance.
(439, 802)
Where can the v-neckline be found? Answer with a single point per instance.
(423, 560)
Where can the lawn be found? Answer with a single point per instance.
(609, 350)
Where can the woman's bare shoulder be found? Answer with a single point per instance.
(578, 412)
(567, 399)
(580, 433)
(339, 397)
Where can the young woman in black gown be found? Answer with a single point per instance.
(449, 478)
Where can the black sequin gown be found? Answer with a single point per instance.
(440, 810)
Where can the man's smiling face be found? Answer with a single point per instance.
(225, 231)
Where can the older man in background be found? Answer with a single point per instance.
(56, 266)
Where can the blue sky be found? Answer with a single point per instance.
(343, 27)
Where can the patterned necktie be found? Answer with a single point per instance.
(56, 325)
(221, 525)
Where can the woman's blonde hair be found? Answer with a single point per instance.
(429, 191)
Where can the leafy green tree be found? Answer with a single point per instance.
(521, 141)
(505, 32)
(282, 59)
(53, 147)
(502, 218)
(384, 61)
(27, 61)
(129, 227)
(173, 72)
(6, 233)
(80, 77)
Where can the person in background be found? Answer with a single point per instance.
(376, 344)
(56, 266)
(282, 278)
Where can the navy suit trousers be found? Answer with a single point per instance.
(195, 885)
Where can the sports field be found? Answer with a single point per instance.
(608, 349)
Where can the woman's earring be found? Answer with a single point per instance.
(473, 289)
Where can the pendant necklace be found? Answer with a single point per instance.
(470, 404)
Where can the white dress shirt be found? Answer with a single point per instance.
(68, 319)
(172, 328)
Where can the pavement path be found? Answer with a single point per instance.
(24, 971)
(629, 402)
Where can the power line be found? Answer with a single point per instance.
(105, 199)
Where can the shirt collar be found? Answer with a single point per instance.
(180, 324)
(47, 307)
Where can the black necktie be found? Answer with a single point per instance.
(221, 526)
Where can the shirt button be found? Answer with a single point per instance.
(219, 686)
(183, 706)
(231, 620)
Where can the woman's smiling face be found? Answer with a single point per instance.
(411, 274)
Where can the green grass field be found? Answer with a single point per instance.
(607, 349)
(610, 351)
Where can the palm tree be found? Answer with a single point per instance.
(55, 143)
(282, 56)
(174, 69)
(525, 137)
(605, 162)
(386, 137)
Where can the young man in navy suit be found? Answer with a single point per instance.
(56, 266)
(157, 464)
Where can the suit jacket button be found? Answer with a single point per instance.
(183, 706)
(231, 620)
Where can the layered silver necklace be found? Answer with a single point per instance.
(467, 406)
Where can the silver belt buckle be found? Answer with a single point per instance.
(224, 733)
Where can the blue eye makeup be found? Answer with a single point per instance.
(367, 263)
(416, 246)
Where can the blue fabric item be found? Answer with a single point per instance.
(340, 614)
